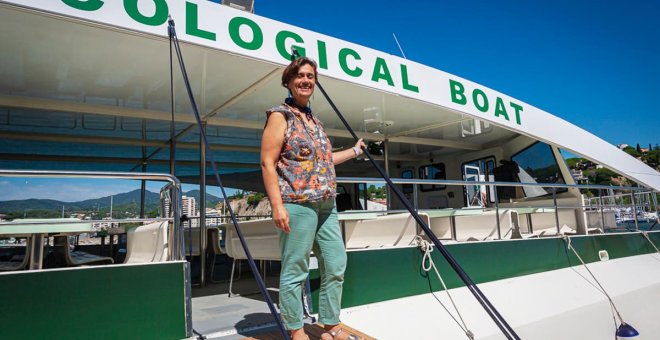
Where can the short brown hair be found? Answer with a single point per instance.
(291, 71)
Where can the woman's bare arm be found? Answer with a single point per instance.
(342, 156)
(271, 147)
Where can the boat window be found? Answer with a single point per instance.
(475, 127)
(432, 171)
(479, 170)
(537, 164)
(407, 174)
(361, 196)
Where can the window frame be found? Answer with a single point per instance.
(432, 187)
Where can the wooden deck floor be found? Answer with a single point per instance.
(313, 331)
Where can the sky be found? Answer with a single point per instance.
(595, 64)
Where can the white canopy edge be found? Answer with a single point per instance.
(224, 28)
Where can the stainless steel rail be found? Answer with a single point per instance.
(174, 186)
(508, 184)
(635, 191)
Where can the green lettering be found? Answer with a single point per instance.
(457, 92)
(518, 109)
(280, 40)
(500, 110)
(157, 19)
(382, 72)
(343, 54)
(85, 5)
(234, 32)
(192, 23)
(475, 98)
(404, 78)
(323, 55)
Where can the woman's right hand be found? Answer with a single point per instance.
(281, 218)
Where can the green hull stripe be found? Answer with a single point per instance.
(109, 302)
(384, 274)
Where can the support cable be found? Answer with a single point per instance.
(171, 33)
(427, 248)
(646, 235)
(481, 298)
(253, 267)
(615, 311)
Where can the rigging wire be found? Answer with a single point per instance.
(171, 33)
(646, 235)
(209, 153)
(615, 311)
(427, 248)
(506, 329)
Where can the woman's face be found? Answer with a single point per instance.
(302, 84)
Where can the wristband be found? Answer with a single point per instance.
(356, 150)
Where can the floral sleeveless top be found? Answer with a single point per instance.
(305, 169)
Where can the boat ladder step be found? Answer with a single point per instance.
(314, 332)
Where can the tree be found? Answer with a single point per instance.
(632, 151)
(639, 149)
(255, 198)
(602, 176)
(238, 195)
(374, 192)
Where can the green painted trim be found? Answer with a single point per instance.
(109, 302)
(384, 274)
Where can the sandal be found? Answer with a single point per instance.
(337, 335)
(306, 337)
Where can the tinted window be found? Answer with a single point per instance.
(537, 164)
(432, 171)
(407, 188)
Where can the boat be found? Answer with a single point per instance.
(91, 90)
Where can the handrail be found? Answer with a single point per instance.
(132, 220)
(91, 174)
(176, 251)
(635, 191)
(494, 183)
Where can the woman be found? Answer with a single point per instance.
(297, 163)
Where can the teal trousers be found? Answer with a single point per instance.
(314, 226)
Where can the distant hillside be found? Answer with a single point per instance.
(602, 176)
(211, 200)
(127, 198)
(128, 201)
(21, 205)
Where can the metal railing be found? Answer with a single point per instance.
(496, 204)
(172, 190)
(634, 192)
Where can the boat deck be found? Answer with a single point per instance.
(244, 315)
(216, 315)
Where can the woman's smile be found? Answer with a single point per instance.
(302, 85)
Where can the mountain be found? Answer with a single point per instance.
(210, 199)
(127, 198)
(126, 201)
(29, 204)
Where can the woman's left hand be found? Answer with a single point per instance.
(359, 145)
